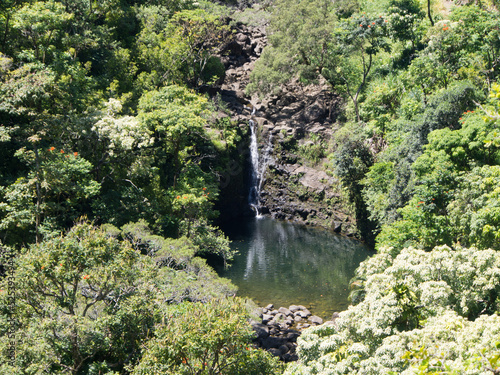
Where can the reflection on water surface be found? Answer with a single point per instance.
(284, 263)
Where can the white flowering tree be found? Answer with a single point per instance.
(121, 133)
(432, 309)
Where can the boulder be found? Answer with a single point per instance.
(234, 48)
(337, 226)
(275, 351)
(261, 330)
(316, 320)
(274, 331)
(283, 349)
(242, 38)
(314, 112)
(292, 336)
(279, 317)
(272, 342)
(303, 313)
(290, 357)
(285, 311)
(266, 318)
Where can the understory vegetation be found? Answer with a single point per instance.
(110, 166)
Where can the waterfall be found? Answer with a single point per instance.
(259, 165)
(254, 194)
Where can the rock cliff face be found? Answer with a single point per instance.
(294, 128)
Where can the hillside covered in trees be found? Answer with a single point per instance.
(417, 153)
(114, 138)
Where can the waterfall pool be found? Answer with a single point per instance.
(284, 263)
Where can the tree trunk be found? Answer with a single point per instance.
(429, 12)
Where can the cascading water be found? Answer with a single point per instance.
(254, 194)
(259, 166)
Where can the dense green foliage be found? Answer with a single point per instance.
(87, 303)
(100, 118)
(418, 154)
(209, 338)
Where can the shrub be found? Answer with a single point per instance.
(413, 300)
(206, 338)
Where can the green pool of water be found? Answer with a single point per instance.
(284, 264)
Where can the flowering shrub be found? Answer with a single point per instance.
(413, 300)
(121, 133)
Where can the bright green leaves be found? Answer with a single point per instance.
(89, 300)
(193, 210)
(51, 195)
(87, 295)
(27, 90)
(352, 160)
(66, 173)
(477, 33)
(424, 221)
(191, 206)
(452, 200)
(181, 52)
(301, 32)
(202, 35)
(84, 258)
(174, 111)
(355, 44)
(475, 212)
(492, 111)
(186, 277)
(461, 48)
(405, 17)
(167, 181)
(41, 23)
(210, 338)
(383, 97)
(407, 141)
(365, 31)
(175, 114)
(379, 182)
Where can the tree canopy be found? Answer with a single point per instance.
(111, 157)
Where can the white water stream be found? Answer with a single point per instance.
(259, 165)
(254, 194)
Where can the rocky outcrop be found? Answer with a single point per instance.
(293, 187)
(278, 330)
